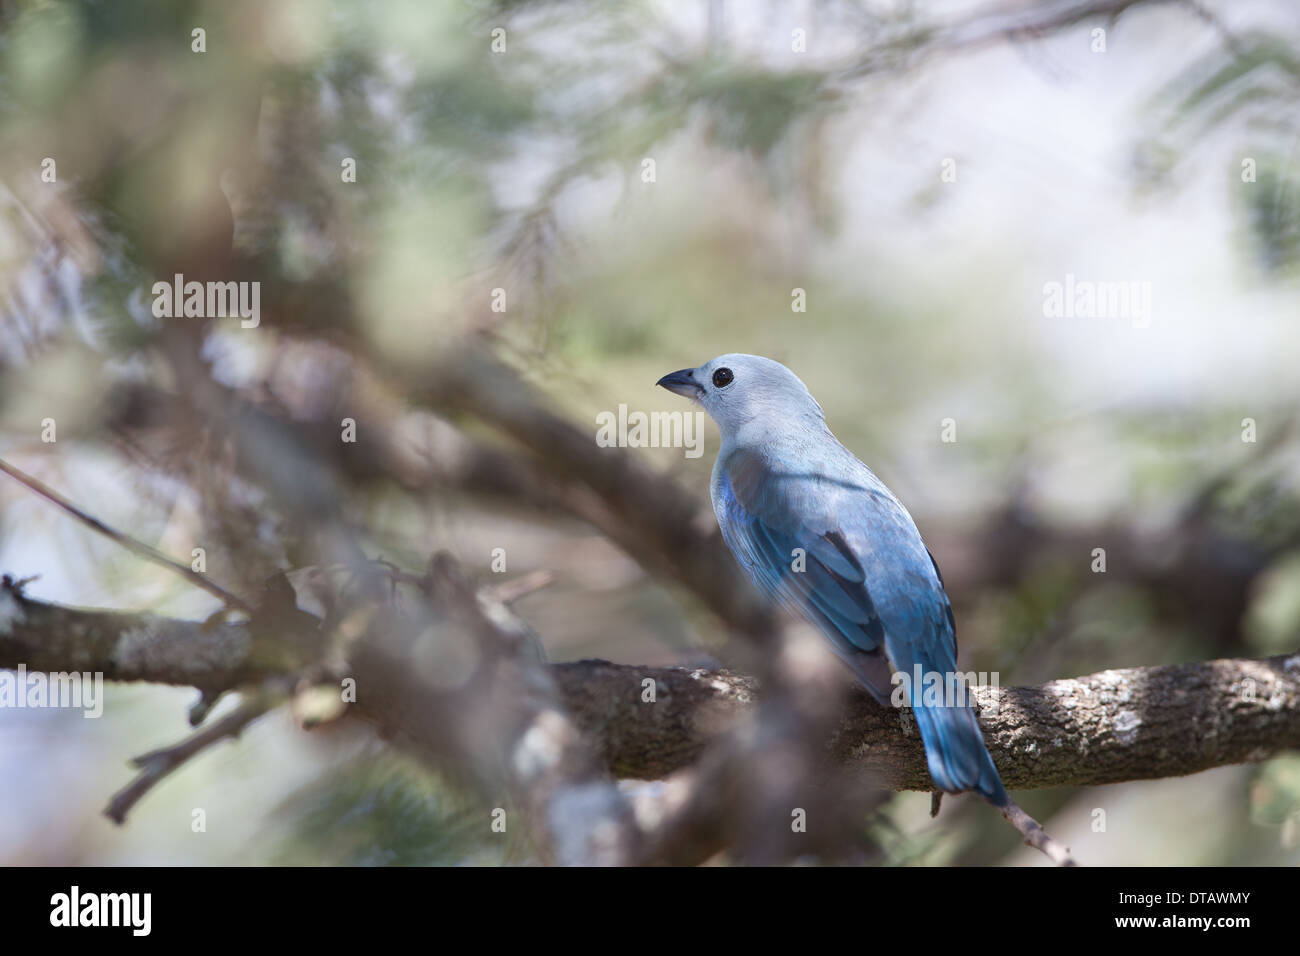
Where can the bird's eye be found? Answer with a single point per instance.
(722, 378)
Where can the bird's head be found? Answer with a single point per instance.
(736, 389)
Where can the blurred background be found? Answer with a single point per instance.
(605, 193)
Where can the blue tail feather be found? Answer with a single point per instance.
(956, 752)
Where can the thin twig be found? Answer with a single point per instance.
(125, 540)
(157, 764)
(507, 592)
(1035, 835)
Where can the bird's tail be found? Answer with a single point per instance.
(955, 749)
(956, 753)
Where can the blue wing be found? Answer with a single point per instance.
(868, 582)
(830, 589)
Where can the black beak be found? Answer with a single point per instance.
(682, 382)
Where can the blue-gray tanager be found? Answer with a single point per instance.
(819, 533)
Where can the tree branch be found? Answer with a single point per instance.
(1117, 725)
(125, 540)
(157, 764)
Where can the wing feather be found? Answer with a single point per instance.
(831, 587)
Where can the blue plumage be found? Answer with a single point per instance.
(781, 483)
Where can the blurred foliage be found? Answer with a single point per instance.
(1275, 797)
(383, 810)
(523, 171)
(1251, 87)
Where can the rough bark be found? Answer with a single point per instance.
(1116, 725)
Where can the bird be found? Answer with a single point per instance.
(818, 533)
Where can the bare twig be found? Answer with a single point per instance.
(510, 591)
(125, 540)
(1035, 835)
(157, 764)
